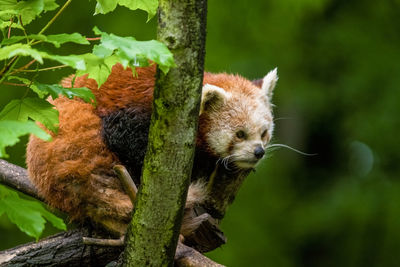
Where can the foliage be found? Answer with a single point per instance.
(11, 130)
(105, 6)
(18, 117)
(30, 216)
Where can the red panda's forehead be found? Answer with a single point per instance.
(244, 111)
(231, 83)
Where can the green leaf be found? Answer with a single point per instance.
(55, 39)
(20, 50)
(12, 40)
(58, 39)
(34, 108)
(127, 51)
(105, 6)
(50, 5)
(55, 90)
(135, 53)
(7, 24)
(6, 13)
(74, 61)
(150, 6)
(8, 7)
(98, 68)
(10, 131)
(30, 216)
(28, 10)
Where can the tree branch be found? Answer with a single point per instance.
(64, 249)
(73, 248)
(188, 257)
(67, 249)
(17, 178)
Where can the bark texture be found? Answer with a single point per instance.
(64, 249)
(153, 233)
(16, 178)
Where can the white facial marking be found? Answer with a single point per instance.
(219, 140)
(213, 96)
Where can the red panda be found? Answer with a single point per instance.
(74, 172)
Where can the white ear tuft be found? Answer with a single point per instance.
(269, 82)
(212, 97)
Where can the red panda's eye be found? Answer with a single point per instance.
(264, 134)
(240, 134)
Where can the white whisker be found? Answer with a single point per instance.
(290, 148)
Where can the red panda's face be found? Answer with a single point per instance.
(240, 122)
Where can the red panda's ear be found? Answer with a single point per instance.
(269, 82)
(212, 97)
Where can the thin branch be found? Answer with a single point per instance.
(9, 28)
(24, 67)
(14, 84)
(104, 242)
(55, 16)
(10, 65)
(44, 69)
(126, 181)
(23, 28)
(93, 39)
(17, 178)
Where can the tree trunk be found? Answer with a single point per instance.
(153, 233)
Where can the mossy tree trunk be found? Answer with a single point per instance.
(153, 233)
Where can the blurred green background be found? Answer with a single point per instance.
(338, 96)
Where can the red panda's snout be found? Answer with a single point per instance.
(246, 152)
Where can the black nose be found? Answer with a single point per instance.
(259, 152)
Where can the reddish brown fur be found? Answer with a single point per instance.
(121, 89)
(74, 171)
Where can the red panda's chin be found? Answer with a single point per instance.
(246, 164)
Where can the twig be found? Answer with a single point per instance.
(104, 242)
(44, 69)
(9, 28)
(23, 28)
(55, 16)
(24, 67)
(10, 65)
(93, 39)
(126, 181)
(14, 84)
